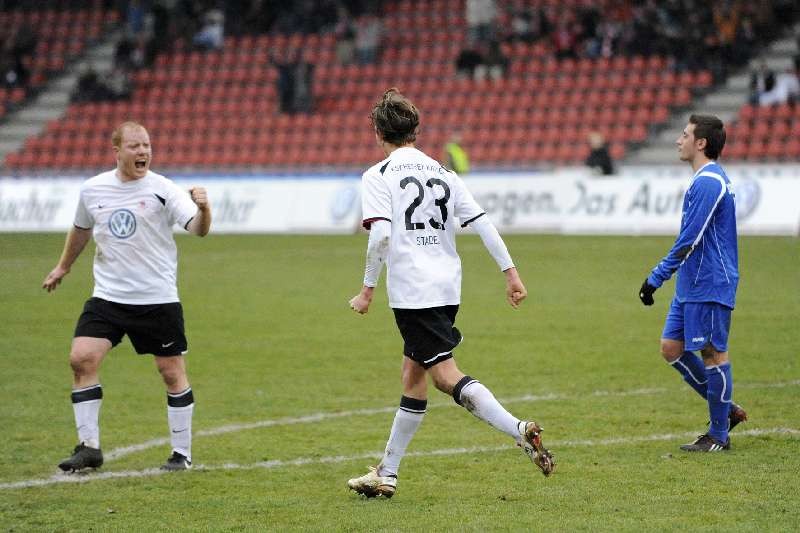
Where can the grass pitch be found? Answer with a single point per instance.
(295, 394)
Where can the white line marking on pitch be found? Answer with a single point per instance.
(116, 453)
(302, 461)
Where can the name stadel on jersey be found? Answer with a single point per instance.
(424, 202)
(136, 260)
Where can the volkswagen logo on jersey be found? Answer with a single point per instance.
(122, 223)
(748, 195)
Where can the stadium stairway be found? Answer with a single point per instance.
(53, 101)
(725, 102)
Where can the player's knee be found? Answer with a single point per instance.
(671, 351)
(442, 383)
(83, 362)
(171, 376)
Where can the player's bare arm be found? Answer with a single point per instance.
(515, 290)
(361, 301)
(201, 223)
(77, 238)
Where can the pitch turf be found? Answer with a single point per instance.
(295, 394)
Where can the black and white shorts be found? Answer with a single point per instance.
(155, 329)
(429, 335)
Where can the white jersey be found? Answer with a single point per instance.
(136, 260)
(422, 200)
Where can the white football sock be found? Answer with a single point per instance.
(480, 401)
(406, 422)
(180, 422)
(87, 414)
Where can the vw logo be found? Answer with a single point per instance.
(343, 202)
(748, 196)
(122, 223)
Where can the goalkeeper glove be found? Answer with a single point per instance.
(646, 293)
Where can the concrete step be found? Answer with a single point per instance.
(17, 131)
(38, 114)
(724, 100)
(785, 47)
(53, 98)
(774, 63)
(740, 82)
(6, 147)
(653, 155)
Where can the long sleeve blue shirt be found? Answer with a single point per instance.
(705, 253)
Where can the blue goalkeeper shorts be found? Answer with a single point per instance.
(698, 324)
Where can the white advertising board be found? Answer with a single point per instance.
(639, 201)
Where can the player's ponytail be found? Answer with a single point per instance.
(395, 118)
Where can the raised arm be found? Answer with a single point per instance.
(200, 224)
(73, 246)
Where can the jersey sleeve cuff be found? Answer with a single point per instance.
(367, 222)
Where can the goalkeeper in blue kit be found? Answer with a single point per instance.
(705, 258)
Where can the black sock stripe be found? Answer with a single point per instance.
(88, 394)
(463, 382)
(182, 399)
(413, 405)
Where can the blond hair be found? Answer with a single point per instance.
(116, 137)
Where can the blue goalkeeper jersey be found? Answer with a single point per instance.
(705, 254)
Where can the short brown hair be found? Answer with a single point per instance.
(395, 118)
(116, 137)
(711, 129)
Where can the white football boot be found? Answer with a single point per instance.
(372, 485)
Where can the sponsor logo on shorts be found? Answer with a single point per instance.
(698, 339)
(122, 223)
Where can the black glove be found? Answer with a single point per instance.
(646, 293)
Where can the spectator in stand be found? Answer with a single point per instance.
(212, 35)
(345, 36)
(467, 61)
(565, 37)
(88, 86)
(455, 157)
(771, 95)
(493, 65)
(118, 84)
(295, 82)
(599, 159)
(15, 55)
(480, 16)
(368, 32)
(303, 84)
(780, 88)
(727, 21)
(135, 16)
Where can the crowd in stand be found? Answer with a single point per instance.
(693, 33)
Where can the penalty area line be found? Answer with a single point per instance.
(303, 461)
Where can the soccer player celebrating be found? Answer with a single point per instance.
(706, 259)
(409, 205)
(131, 212)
